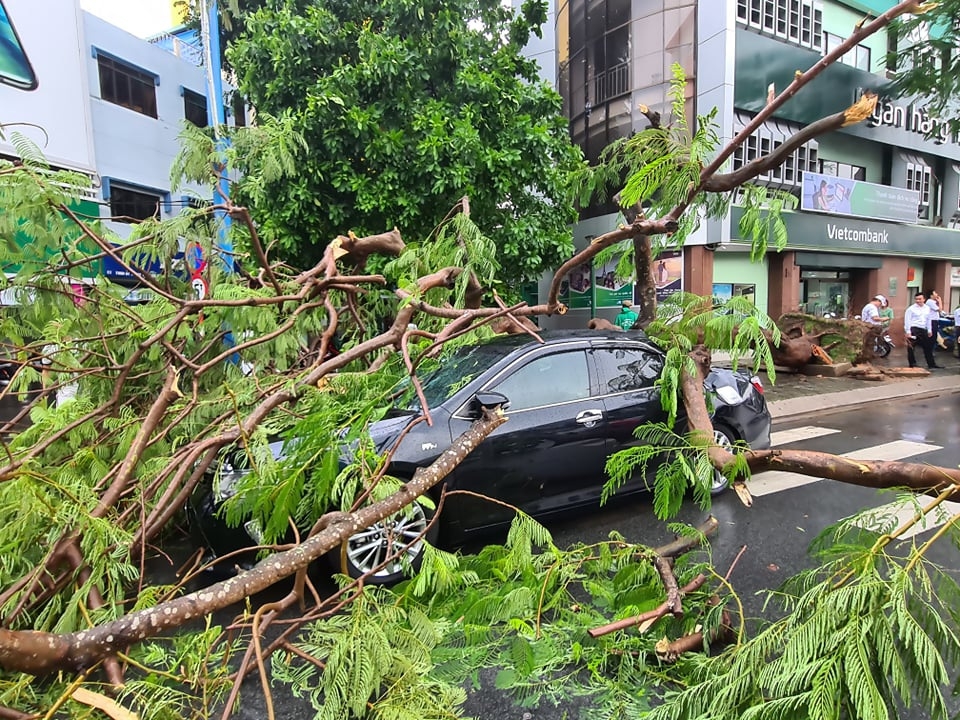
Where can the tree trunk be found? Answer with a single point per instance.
(646, 286)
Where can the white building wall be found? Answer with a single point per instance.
(716, 56)
(132, 148)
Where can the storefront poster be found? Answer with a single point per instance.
(830, 194)
(668, 273)
(611, 290)
(576, 290)
(722, 292)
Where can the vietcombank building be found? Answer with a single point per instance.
(877, 202)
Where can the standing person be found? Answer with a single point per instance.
(935, 303)
(871, 311)
(886, 312)
(917, 325)
(627, 317)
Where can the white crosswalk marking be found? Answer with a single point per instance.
(806, 432)
(766, 483)
(883, 518)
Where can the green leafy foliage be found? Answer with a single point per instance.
(520, 609)
(406, 108)
(761, 221)
(864, 634)
(372, 115)
(927, 67)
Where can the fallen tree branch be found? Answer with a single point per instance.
(41, 653)
(655, 614)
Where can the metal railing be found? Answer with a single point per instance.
(612, 82)
(187, 51)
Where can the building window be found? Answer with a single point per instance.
(195, 108)
(920, 178)
(843, 170)
(608, 65)
(858, 56)
(132, 206)
(240, 110)
(127, 86)
(797, 21)
(768, 138)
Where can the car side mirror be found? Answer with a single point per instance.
(488, 400)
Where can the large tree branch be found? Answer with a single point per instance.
(857, 112)
(865, 473)
(640, 227)
(41, 653)
(880, 474)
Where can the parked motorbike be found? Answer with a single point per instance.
(882, 344)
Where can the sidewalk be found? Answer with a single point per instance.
(796, 394)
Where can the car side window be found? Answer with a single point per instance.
(547, 380)
(626, 369)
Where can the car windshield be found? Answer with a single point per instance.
(453, 373)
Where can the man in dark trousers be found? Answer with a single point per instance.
(918, 325)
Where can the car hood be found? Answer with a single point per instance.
(385, 431)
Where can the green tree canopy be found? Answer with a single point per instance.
(406, 107)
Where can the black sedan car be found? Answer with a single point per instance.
(574, 400)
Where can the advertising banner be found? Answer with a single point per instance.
(830, 194)
(576, 292)
(611, 290)
(668, 273)
(32, 257)
(44, 94)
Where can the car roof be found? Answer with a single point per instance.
(553, 337)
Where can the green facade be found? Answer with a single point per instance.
(761, 61)
(85, 209)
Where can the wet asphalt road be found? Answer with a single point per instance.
(779, 527)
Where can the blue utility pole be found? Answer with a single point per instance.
(216, 115)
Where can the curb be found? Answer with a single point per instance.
(940, 384)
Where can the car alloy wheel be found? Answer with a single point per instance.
(722, 438)
(384, 550)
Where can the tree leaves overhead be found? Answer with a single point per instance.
(405, 107)
(927, 64)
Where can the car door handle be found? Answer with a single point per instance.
(589, 418)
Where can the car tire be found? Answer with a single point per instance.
(725, 438)
(369, 548)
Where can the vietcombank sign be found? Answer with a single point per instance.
(813, 231)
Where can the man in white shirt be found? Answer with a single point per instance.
(871, 311)
(917, 324)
